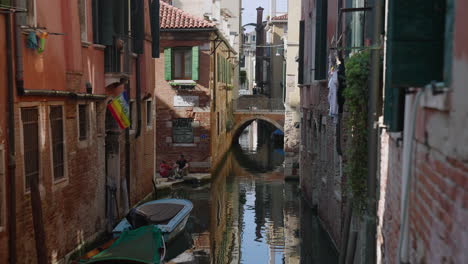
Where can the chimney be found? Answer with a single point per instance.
(259, 50)
(259, 16)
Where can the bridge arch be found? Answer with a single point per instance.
(243, 121)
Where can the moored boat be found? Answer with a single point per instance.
(169, 215)
(142, 245)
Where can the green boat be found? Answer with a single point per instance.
(142, 245)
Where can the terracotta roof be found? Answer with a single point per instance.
(282, 17)
(173, 18)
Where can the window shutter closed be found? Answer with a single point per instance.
(155, 27)
(195, 62)
(168, 64)
(301, 53)
(415, 38)
(415, 42)
(138, 25)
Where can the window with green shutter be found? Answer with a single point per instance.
(195, 62)
(168, 64)
(5, 3)
(321, 41)
(301, 53)
(419, 43)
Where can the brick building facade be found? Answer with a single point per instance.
(192, 98)
(433, 172)
(64, 136)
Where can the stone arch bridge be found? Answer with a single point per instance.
(248, 108)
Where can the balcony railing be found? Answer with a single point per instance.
(252, 103)
(118, 56)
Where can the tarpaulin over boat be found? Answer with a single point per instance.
(133, 246)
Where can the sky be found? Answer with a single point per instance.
(249, 14)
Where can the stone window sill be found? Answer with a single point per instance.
(184, 145)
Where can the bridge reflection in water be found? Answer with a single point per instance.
(249, 214)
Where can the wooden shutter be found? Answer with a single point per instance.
(195, 62)
(138, 25)
(301, 52)
(155, 27)
(321, 41)
(415, 52)
(168, 64)
(415, 42)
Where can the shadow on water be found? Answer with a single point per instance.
(249, 214)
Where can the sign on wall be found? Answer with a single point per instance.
(186, 100)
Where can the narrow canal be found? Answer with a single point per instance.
(249, 214)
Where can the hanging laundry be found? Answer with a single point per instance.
(31, 41)
(42, 40)
(333, 94)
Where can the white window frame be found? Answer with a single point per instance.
(32, 17)
(83, 142)
(65, 178)
(83, 34)
(149, 125)
(40, 140)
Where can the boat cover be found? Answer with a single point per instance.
(133, 246)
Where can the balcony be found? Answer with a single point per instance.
(118, 60)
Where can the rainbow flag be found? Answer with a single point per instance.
(120, 110)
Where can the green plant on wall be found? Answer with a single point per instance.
(356, 95)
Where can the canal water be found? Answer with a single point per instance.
(249, 214)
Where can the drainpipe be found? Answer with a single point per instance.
(372, 119)
(138, 96)
(11, 181)
(127, 155)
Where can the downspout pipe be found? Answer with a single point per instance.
(372, 119)
(11, 182)
(138, 96)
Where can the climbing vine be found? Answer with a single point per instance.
(356, 95)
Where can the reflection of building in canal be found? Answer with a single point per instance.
(292, 226)
(225, 239)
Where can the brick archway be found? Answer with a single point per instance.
(243, 120)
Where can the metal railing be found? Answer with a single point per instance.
(117, 58)
(258, 104)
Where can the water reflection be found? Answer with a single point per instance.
(249, 214)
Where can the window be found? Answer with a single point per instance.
(301, 52)
(32, 16)
(30, 123)
(182, 130)
(2, 187)
(408, 63)
(58, 141)
(181, 63)
(99, 121)
(321, 41)
(149, 109)
(83, 122)
(4, 3)
(83, 13)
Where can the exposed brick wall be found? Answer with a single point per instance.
(321, 177)
(198, 153)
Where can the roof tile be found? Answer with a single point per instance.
(174, 18)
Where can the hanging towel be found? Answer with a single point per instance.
(42, 40)
(31, 42)
(333, 94)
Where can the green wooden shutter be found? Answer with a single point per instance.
(168, 64)
(321, 51)
(415, 53)
(301, 52)
(415, 42)
(195, 62)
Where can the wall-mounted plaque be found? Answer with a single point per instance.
(185, 100)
